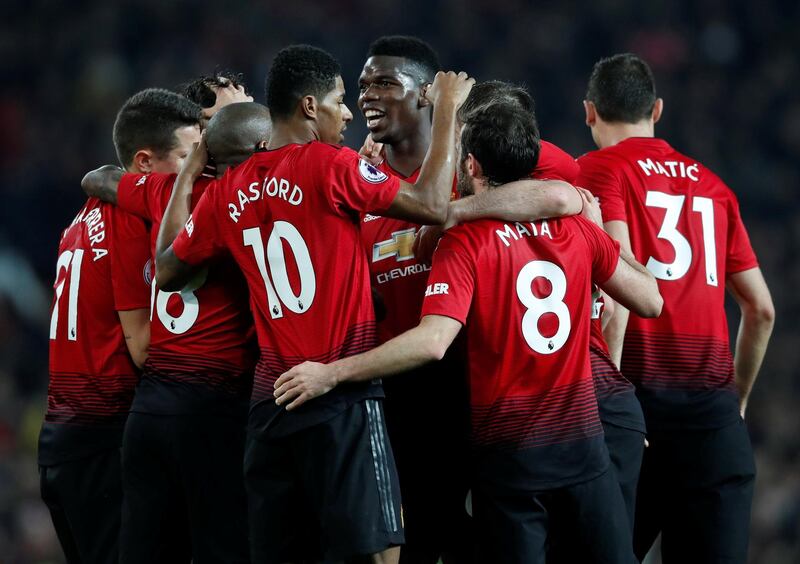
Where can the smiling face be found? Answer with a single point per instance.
(171, 162)
(390, 98)
(333, 114)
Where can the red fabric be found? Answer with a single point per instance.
(102, 269)
(311, 195)
(530, 378)
(666, 198)
(207, 327)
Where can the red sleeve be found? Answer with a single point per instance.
(597, 174)
(740, 255)
(145, 195)
(354, 184)
(200, 239)
(604, 249)
(451, 282)
(130, 261)
(555, 164)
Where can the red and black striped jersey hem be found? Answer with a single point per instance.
(616, 396)
(682, 381)
(170, 363)
(271, 364)
(267, 418)
(561, 414)
(88, 398)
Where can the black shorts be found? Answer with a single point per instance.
(696, 489)
(184, 491)
(516, 526)
(84, 497)
(429, 436)
(625, 448)
(329, 490)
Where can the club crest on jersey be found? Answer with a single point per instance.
(148, 272)
(370, 173)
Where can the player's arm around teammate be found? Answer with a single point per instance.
(426, 201)
(630, 284)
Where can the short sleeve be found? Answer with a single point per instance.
(130, 261)
(145, 195)
(451, 282)
(200, 239)
(599, 177)
(555, 164)
(740, 255)
(604, 250)
(354, 184)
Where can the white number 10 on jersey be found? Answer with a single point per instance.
(279, 290)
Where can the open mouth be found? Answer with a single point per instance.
(373, 118)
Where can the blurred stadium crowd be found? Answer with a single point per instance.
(727, 71)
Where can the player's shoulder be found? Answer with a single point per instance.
(555, 163)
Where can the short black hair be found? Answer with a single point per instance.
(504, 138)
(411, 48)
(148, 120)
(200, 90)
(297, 71)
(234, 131)
(622, 89)
(489, 92)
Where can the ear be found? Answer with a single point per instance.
(308, 105)
(591, 112)
(474, 167)
(658, 108)
(143, 161)
(423, 102)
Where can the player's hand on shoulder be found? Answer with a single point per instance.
(303, 382)
(196, 161)
(591, 207)
(449, 87)
(371, 151)
(426, 241)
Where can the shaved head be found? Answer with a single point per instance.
(235, 130)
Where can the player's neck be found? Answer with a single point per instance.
(613, 133)
(407, 156)
(287, 133)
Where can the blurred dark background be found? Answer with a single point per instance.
(728, 70)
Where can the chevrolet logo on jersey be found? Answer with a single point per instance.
(400, 246)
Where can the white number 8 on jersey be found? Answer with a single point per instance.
(536, 307)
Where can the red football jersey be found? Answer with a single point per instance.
(289, 217)
(397, 275)
(523, 291)
(202, 349)
(102, 269)
(685, 227)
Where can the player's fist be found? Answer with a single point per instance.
(449, 87)
(371, 151)
(591, 207)
(195, 162)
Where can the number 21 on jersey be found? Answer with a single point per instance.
(70, 262)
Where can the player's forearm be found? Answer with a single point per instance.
(614, 333)
(405, 352)
(523, 200)
(102, 183)
(434, 184)
(755, 330)
(177, 213)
